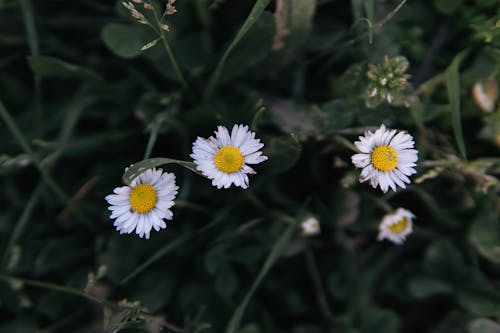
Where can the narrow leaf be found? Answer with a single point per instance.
(453, 88)
(52, 67)
(257, 10)
(155, 257)
(275, 253)
(139, 167)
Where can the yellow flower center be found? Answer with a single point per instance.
(399, 226)
(143, 198)
(228, 159)
(384, 158)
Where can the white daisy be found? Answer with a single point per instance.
(396, 226)
(144, 204)
(387, 158)
(225, 158)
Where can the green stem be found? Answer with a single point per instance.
(20, 225)
(274, 255)
(170, 54)
(51, 286)
(315, 275)
(49, 181)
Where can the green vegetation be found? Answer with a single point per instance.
(88, 88)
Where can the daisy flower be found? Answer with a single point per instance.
(225, 158)
(144, 204)
(387, 158)
(396, 226)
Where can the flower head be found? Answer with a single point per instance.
(396, 226)
(225, 158)
(389, 83)
(387, 158)
(144, 204)
(310, 226)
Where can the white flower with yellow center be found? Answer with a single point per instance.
(144, 204)
(225, 158)
(387, 158)
(396, 226)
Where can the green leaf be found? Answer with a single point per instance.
(484, 325)
(53, 67)
(295, 117)
(257, 10)
(250, 328)
(226, 282)
(423, 287)
(485, 236)
(251, 50)
(338, 114)
(276, 251)
(136, 169)
(376, 320)
(29, 22)
(283, 153)
(447, 7)
(442, 259)
(453, 90)
(126, 41)
(375, 116)
(480, 302)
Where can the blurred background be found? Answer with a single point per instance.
(80, 101)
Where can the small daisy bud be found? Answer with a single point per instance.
(128, 5)
(310, 226)
(148, 6)
(149, 45)
(485, 94)
(397, 226)
(170, 8)
(165, 28)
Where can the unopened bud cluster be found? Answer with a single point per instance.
(134, 12)
(389, 83)
(170, 8)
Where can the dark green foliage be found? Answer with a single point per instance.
(80, 102)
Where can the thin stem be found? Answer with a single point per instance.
(49, 181)
(21, 224)
(170, 54)
(52, 286)
(312, 268)
(390, 15)
(346, 143)
(67, 290)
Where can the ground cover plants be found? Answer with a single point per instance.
(298, 166)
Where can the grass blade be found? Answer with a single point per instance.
(158, 255)
(257, 10)
(21, 224)
(275, 253)
(453, 89)
(34, 45)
